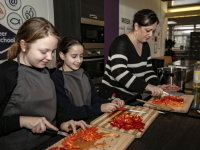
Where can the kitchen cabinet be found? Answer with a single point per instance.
(94, 8)
(67, 17)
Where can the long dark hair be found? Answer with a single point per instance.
(65, 44)
(30, 31)
(145, 17)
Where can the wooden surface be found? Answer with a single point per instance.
(148, 118)
(168, 59)
(120, 142)
(187, 98)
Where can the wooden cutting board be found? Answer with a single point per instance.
(187, 98)
(120, 142)
(148, 118)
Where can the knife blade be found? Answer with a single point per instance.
(49, 130)
(135, 111)
(173, 93)
(126, 109)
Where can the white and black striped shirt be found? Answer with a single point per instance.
(126, 71)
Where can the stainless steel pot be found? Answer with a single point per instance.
(173, 76)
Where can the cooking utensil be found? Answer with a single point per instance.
(173, 93)
(49, 130)
(126, 109)
(160, 112)
(161, 107)
(173, 76)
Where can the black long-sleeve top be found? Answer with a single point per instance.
(8, 81)
(126, 71)
(71, 110)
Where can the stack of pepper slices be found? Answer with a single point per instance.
(127, 121)
(169, 100)
(89, 134)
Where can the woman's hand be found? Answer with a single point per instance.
(73, 124)
(36, 124)
(155, 91)
(109, 107)
(168, 87)
(118, 101)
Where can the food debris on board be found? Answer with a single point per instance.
(89, 135)
(127, 121)
(169, 100)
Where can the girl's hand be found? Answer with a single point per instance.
(156, 91)
(36, 124)
(118, 101)
(73, 124)
(168, 87)
(109, 107)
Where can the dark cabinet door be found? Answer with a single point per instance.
(67, 17)
(92, 7)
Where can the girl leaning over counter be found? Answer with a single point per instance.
(75, 90)
(28, 103)
(129, 68)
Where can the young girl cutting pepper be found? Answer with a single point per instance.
(28, 102)
(75, 90)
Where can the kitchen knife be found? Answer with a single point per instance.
(49, 130)
(173, 93)
(126, 109)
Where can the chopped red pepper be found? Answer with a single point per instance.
(89, 134)
(69, 141)
(169, 100)
(127, 122)
(54, 148)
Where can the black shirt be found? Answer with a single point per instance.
(71, 110)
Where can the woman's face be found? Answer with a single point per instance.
(41, 52)
(73, 58)
(145, 32)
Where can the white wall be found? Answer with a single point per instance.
(127, 9)
(43, 8)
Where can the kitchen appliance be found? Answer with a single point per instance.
(93, 63)
(92, 37)
(173, 76)
(185, 64)
(92, 31)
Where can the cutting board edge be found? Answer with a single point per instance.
(149, 124)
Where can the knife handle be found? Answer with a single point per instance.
(49, 130)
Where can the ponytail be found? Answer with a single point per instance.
(59, 62)
(13, 51)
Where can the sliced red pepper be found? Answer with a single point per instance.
(127, 122)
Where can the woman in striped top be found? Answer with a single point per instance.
(129, 68)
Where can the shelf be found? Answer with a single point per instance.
(182, 55)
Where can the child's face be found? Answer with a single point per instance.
(41, 52)
(73, 58)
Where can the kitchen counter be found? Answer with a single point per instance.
(171, 131)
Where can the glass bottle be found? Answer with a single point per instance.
(196, 77)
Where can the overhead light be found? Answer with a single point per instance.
(171, 22)
(189, 8)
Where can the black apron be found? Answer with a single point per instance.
(34, 95)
